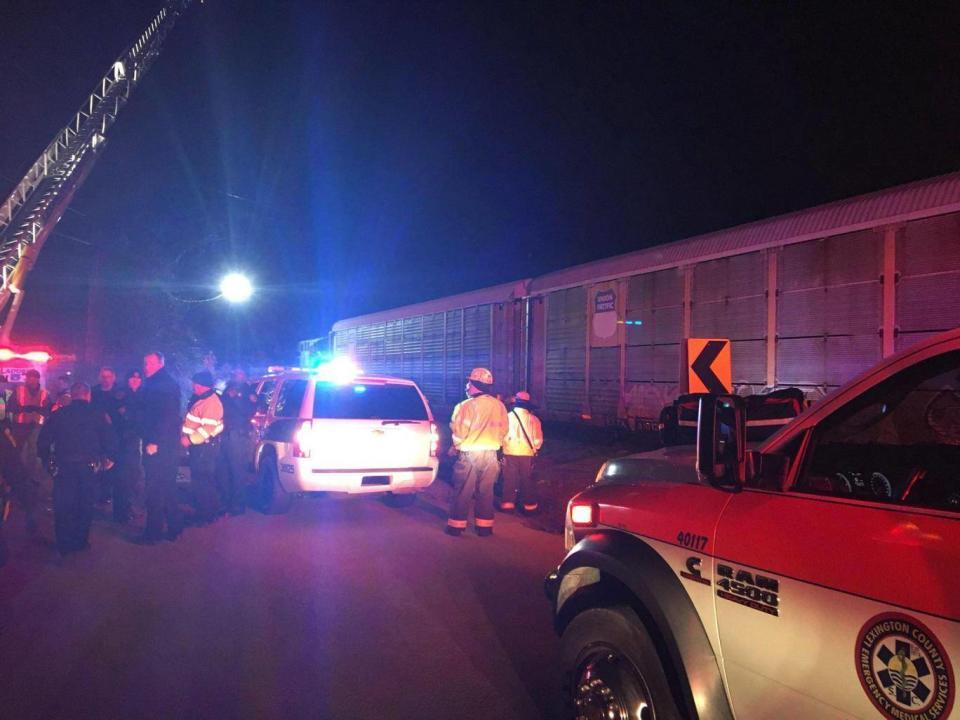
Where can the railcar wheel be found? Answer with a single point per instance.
(612, 670)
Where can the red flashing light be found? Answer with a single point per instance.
(434, 440)
(37, 356)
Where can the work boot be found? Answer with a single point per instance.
(484, 532)
(453, 532)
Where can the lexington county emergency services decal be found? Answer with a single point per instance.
(904, 669)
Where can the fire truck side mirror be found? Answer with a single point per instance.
(722, 441)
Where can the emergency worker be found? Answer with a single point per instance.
(161, 430)
(236, 449)
(131, 437)
(82, 440)
(200, 434)
(28, 408)
(13, 481)
(108, 397)
(524, 440)
(479, 425)
(61, 392)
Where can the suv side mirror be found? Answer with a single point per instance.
(722, 441)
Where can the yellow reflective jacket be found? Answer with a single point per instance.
(515, 443)
(479, 423)
(204, 420)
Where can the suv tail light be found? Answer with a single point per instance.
(303, 440)
(434, 440)
(583, 514)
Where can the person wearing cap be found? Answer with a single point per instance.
(200, 434)
(28, 408)
(160, 422)
(235, 449)
(130, 432)
(108, 397)
(83, 442)
(524, 440)
(479, 425)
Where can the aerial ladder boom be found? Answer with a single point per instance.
(29, 214)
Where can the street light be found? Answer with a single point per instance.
(236, 288)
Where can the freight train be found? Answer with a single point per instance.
(807, 300)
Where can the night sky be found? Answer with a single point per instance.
(354, 156)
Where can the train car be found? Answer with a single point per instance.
(807, 300)
(436, 343)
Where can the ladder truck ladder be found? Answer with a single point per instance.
(32, 210)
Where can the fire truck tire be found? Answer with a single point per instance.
(611, 668)
(274, 500)
(400, 500)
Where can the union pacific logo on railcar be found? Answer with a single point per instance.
(904, 668)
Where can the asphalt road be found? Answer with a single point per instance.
(345, 608)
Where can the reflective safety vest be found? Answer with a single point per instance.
(523, 421)
(204, 420)
(32, 407)
(479, 423)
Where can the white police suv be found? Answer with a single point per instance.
(334, 429)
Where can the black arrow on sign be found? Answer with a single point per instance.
(701, 366)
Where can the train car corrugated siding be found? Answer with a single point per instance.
(807, 299)
(566, 352)
(928, 271)
(453, 353)
(729, 301)
(652, 372)
(828, 309)
(476, 337)
(433, 338)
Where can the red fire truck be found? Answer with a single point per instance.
(812, 577)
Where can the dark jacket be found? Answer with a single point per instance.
(110, 402)
(131, 410)
(237, 412)
(161, 409)
(77, 433)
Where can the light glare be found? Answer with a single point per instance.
(236, 288)
(339, 371)
(581, 514)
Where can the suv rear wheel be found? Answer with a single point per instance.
(274, 500)
(612, 670)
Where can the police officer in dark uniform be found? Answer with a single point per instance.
(236, 449)
(82, 441)
(160, 423)
(13, 480)
(108, 397)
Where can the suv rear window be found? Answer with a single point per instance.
(290, 399)
(368, 402)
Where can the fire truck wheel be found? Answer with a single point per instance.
(611, 668)
(400, 500)
(273, 498)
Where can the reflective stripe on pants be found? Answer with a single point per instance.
(518, 482)
(474, 475)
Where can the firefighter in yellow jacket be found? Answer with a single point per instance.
(524, 440)
(479, 425)
(201, 429)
